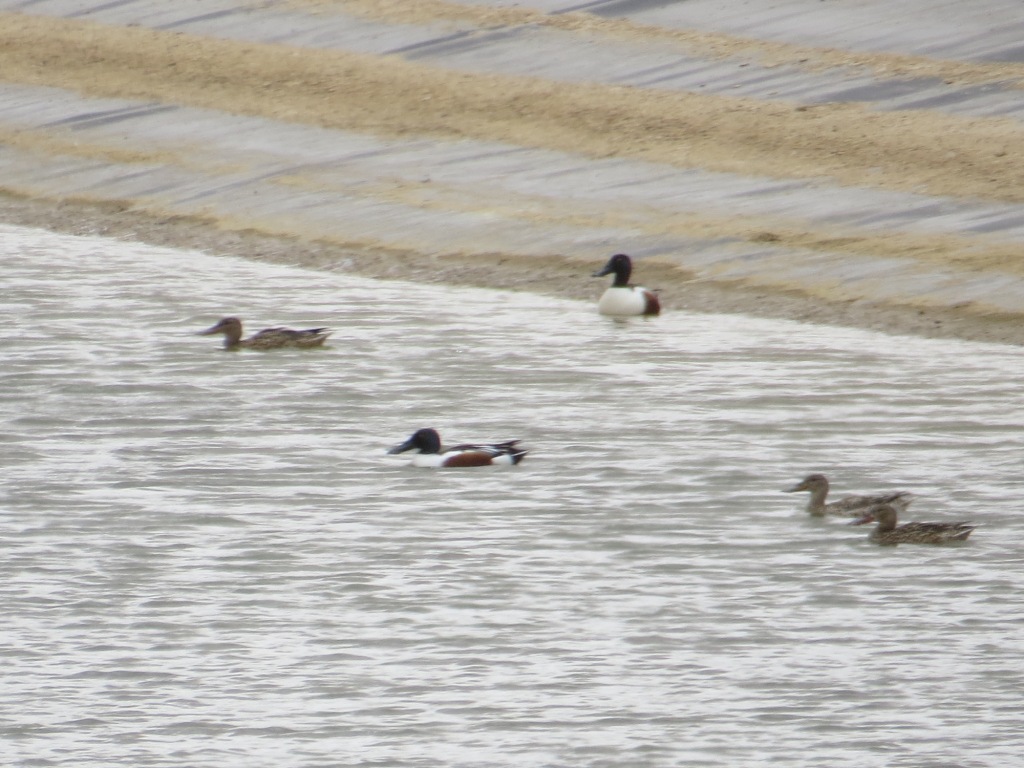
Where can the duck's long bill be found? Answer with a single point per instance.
(401, 447)
(606, 270)
(794, 488)
(211, 330)
(868, 518)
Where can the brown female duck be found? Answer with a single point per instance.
(848, 506)
(268, 338)
(887, 532)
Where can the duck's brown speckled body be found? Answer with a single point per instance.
(887, 532)
(848, 506)
(268, 338)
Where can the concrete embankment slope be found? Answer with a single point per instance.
(806, 159)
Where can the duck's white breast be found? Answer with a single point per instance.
(629, 300)
(428, 460)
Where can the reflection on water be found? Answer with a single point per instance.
(209, 559)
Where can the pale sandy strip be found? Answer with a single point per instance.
(909, 151)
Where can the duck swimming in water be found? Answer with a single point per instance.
(431, 454)
(623, 299)
(888, 533)
(848, 506)
(268, 338)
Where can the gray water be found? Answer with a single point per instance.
(208, 559)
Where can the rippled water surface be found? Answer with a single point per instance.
(209, 560)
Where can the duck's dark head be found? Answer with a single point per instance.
(810, 483)
(884, 515)
(424, 440)
(231, 327)
(621, 265)
(226, 325)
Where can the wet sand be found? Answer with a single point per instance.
(921, 152)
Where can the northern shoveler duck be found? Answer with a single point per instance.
(268, 338)
(848, 506)
(431, 454)
(622, 298)
(887, 532)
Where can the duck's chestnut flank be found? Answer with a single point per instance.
(468, 459)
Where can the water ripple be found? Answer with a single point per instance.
(210, 560)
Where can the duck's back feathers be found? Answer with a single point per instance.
(855, 505)
(269, 338)
(924, 533)
(936, 531)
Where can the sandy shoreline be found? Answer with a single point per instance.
(555, 276)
